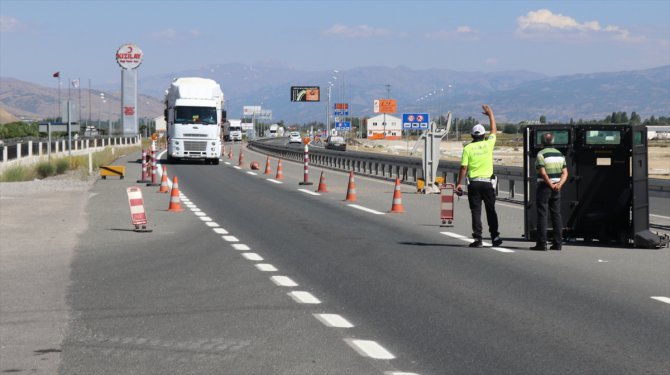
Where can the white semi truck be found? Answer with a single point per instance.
(232, 130)
(194, 114)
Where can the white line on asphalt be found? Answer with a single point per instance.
(399, 373)
(199, 213)
(369, 348)
(240, 247)
(308, 192)
(226, 162)
(230, 238)
(252, 256)
(283, 281)
(184, 200)
(237, 167)
(252, 173)
(365, 209)
(205, 218)
(662, 217)
(519, 207)
(275, 181)
(220, 231)
(662, 299)
(212, 224)
(266, 267)
(484, 243)
(455, 235)
(333, 320)
(304, 297)
(193, 208)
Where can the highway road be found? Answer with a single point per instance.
(262, 276)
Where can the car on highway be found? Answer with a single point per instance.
(335, 142)
(294, 137)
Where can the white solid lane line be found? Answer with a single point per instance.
(240, 247)
(662, 299)
(333, 320)
(369, 348)
(220, 231)
(369, 210)
(283, 281)
(304, 297)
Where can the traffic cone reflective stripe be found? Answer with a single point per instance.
(175, 202)
(230, 152)
(164, 182)
(280, 171)
(397, 198)
(351, 189)
(268, 169)
(322, 185)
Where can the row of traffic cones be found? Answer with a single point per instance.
(175, 202)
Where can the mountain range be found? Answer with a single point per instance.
(514, 95)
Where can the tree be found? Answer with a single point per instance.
(635, 119)
(543, 119)
(509, 129)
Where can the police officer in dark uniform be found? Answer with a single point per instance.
(477, 163)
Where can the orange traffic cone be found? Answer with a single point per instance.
(351, 189)
(268, 169)
(164, 182)
(223, 149)
(175, 203)
(241, 159)
(230, 152)
(280, 171)
(322, 185)
(397, 206)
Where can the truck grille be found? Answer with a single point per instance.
(195, 135)
(195, 146)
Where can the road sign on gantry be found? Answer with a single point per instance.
(415, 121)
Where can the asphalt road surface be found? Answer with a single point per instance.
(264, 276)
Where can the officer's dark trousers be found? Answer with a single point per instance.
(548, 201)
(479, 191)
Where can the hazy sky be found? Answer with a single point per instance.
(80, 38)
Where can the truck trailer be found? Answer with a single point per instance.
(194, 114)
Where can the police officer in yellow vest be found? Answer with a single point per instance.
(477, 163)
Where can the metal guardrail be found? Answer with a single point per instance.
(409, 169)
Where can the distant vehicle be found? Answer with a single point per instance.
(273, 130)
(193, 114)
(294, 137)
(335, 142)
(232, 130)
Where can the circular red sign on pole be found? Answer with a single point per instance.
(129, 56)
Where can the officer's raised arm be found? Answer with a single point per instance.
(489, 112)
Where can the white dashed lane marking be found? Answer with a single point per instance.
(212, 224)
(199, 213)
(252, 173)
(333, 320)
(240, 247)
(308, 192)
(230, 238)
(487, 244)
(369, 210)
(369, 348)
(220, 231)
(275, 181)
(252, 256)
(205, 218)
(304, 297)
(264, 267)
(283, 281)
(662, 299)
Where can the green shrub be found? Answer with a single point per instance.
(62, 165)
(45, 169)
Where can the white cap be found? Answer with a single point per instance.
(478, 130)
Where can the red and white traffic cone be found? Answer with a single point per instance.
(230, 152)
(322, 185)
(145, 169)
(351, 188)
(240, 161)
(280, 171)
(397, 206)
(164, 182)
(175, 202)
(268, 169)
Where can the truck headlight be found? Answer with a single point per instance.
(176, 142)
(213, 143)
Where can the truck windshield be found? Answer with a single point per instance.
(235, 129)
(193, 115)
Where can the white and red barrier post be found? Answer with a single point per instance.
(447, 205)
(137, 214)
(306, 168)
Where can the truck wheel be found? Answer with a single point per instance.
(215, 161)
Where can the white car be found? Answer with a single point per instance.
(294, 137)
